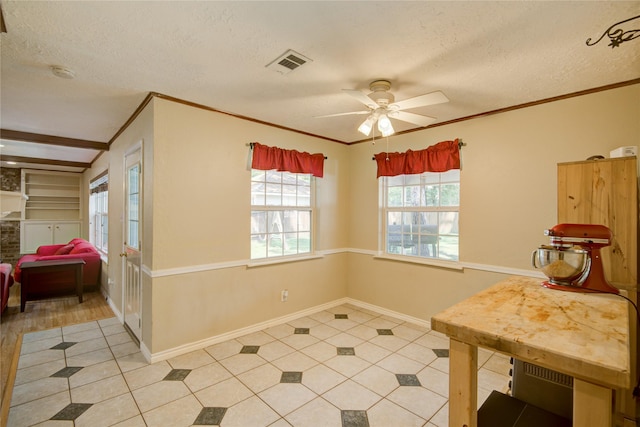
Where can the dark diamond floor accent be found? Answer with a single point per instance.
(72, 411)
(341, 316)
(346, 351)
(210, 416)
(441, 352)
(63, 346)
(250, 349)
(291, 377)
(384, 331)
(408, 380)
(66, 372)
(354, 419)
(177, 375)
(301, 331)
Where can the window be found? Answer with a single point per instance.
(421, 214)
(281, 214)
(98, 209)
(133, 206)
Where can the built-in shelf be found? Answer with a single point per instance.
(52, 195)
(53, 210)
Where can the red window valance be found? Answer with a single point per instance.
(441, 157)
(268, 158)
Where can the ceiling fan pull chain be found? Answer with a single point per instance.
(387, 149)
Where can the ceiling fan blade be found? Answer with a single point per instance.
(343, 114)
(421, 101)
(361, 97)
(416, 119)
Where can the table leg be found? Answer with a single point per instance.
(23, 290)
(463, 384)
(79, 284)
(592, 405)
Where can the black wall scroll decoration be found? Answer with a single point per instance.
(617, 35)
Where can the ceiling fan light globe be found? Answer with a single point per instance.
(388, 132)
(384, 125)
(366, 126)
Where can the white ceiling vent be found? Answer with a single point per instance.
(287, 62)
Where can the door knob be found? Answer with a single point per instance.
(123, 254)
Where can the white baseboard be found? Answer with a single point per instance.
(114, 308)
(187, 348)
(387, 312)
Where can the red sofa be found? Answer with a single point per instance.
(52, 283)
(6, 280)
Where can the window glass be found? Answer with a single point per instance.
(281, 214)
(421, 215)
(98, 213)
(133, 213)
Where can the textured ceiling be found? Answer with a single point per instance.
(483, 55)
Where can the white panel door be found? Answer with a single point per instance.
(133, 243)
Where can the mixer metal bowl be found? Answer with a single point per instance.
(560, 265)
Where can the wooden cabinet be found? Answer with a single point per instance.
(37, 233)
(53, 210)
(606, 192)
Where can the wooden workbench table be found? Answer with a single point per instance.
(582, 335)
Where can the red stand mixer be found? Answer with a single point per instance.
(573, 261)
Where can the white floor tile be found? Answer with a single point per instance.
(109, 412)
(261, 378)
(285, 398)
(206, 376)
(350, 395)
(378, 380)
(386, 413)
(192, 360)
(224, 394)
(37, 372)
(321, 378)
(316, 413)
(99, 391)
(146, 375)
(251, 412)
(181, 412)
(418, 400)
(37, 411)
(158, 394)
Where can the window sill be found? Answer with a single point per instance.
(281, 260)
(452, 265)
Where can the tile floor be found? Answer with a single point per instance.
(343, 367)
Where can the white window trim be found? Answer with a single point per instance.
(382, 233)
(259, 262)
(104, 177)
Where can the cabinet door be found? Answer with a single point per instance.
(63, 232)
(35, 234)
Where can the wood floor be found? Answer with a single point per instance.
(37, 316)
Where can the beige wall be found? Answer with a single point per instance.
(196, 285)
(508, 194)
(201, 224)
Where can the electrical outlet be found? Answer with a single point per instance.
(284, 295)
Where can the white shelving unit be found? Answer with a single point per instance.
(54, 205)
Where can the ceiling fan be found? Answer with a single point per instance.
(382, 107)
